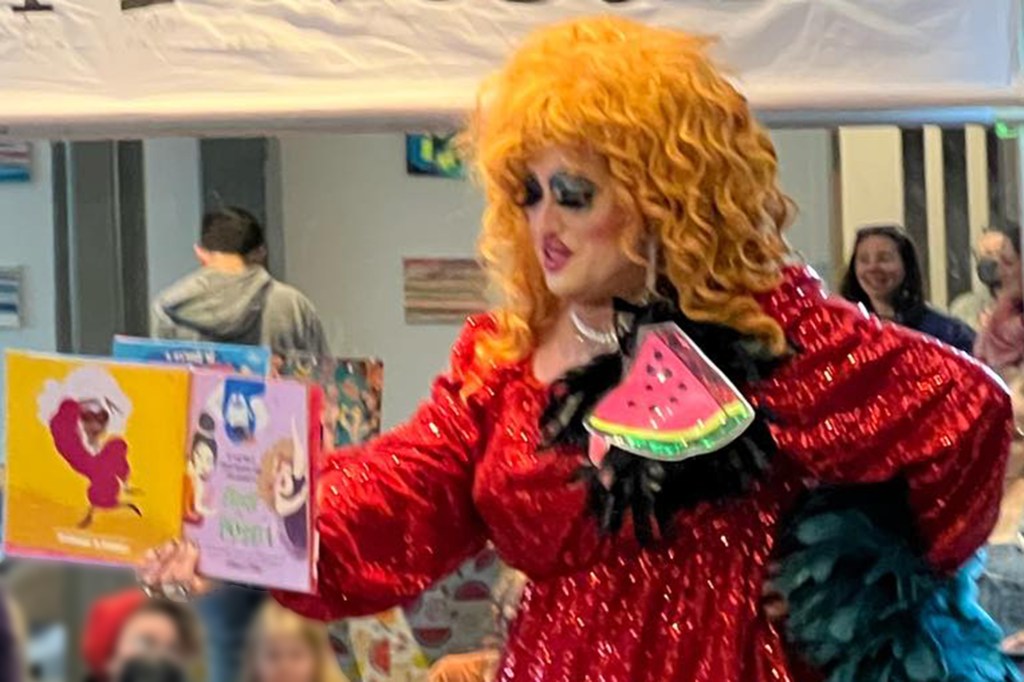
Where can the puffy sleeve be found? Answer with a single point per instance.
(396, 514)
(865, 402)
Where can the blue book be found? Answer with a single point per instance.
(226, 357)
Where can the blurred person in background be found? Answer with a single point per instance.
(974, 307)
(1001, 342)
(285, 647)
(128, 637)
(13, 642)
(1001, 346)
(232, 298)
(884, 275)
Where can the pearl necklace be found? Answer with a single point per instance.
(601, 337)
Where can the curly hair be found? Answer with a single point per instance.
(682, 147)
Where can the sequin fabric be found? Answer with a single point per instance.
(861, 401)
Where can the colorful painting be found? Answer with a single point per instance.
(433, 155)
(352, 393)
(443, 290)
(94, 457)
(10, 298)
(15, 161)
(246, 484)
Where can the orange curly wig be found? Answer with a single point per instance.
(684, 151)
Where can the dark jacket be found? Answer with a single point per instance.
(251, 308)
(949, 330)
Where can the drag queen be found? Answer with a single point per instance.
(628, 184)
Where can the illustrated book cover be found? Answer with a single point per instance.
(94, 457)
(248, 480)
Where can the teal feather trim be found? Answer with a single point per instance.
(864, 606)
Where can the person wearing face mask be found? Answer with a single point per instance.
(634, 225)
(131, 638)
(884, 276)
(974, 307)
(1001, 342)
(1001, 346)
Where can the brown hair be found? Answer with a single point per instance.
(186, 625)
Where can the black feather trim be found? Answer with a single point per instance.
(647, 491)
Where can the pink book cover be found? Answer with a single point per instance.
(247, 501)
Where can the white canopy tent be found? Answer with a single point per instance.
(83, 68)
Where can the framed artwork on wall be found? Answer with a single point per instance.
(11, 299)
(433, 155)
(443, 290)
(15, 161)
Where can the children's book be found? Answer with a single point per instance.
(94, 465)
(352, 389)
(225, 357)
(248, 480)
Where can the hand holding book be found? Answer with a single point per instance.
(171, 570)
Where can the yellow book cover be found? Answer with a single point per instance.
(95, 457)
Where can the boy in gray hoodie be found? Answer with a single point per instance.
(232, 298)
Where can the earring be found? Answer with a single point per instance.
(651, 283)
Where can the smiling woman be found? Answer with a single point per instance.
(884, 276)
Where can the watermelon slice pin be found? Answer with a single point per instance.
(673, 403)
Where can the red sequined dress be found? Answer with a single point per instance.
(860, 402)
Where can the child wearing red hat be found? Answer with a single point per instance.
(126, 629)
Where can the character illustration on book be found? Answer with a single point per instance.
(243, 409)
(87, 415)
(284, 487)
(201, 462)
